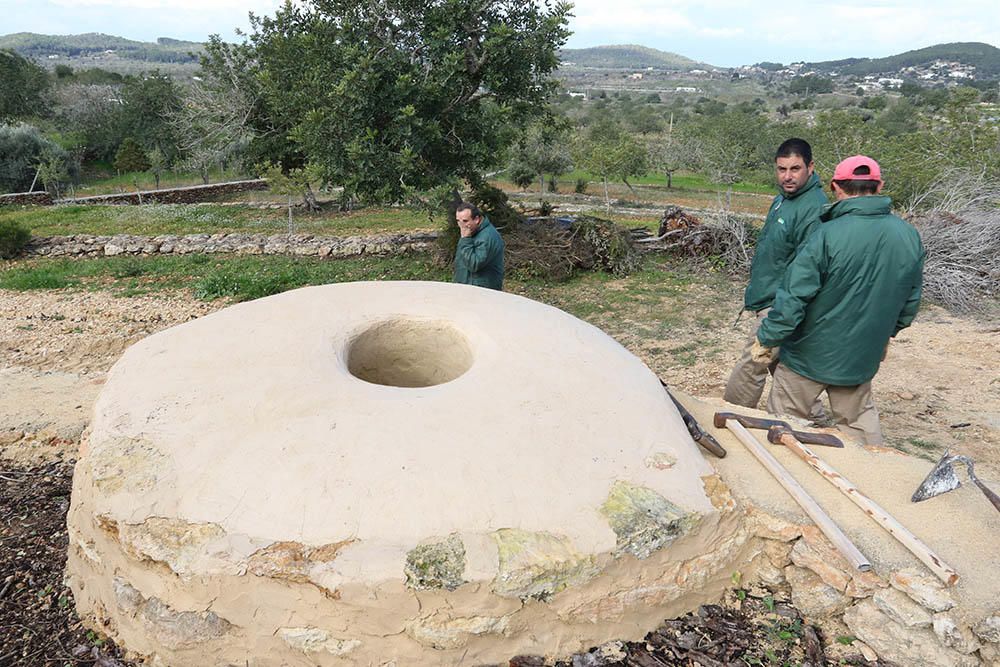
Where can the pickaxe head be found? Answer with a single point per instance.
(941, 479)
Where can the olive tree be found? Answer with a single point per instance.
(22, 85)
(388, 97)
(606, 150)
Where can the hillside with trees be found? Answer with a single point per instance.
(628, 56)
(984, 57)
(41, 47)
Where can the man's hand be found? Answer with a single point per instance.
(464, 230)
(760, 354)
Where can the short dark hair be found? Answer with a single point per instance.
(795, 146)
(472, 208)
(858, 188)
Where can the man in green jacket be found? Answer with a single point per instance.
(793, 216)
(479, 255)
(852, 286)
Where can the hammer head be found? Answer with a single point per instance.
(775, 433)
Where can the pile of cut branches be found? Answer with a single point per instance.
(722, 238)
(553, 248)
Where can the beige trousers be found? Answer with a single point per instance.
(746, 381)
(853, 409)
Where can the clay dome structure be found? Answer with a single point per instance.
(404, 473)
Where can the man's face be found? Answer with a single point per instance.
(792, 173)
(466, 220)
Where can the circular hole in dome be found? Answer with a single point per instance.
(409, 353)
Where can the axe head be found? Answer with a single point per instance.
(941, 479)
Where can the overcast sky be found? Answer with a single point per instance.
(719, 32)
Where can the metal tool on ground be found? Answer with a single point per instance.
(698, 434)
(781, 435)
(824, 439)
(942, 479)
(811, 507)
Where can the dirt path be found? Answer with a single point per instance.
(938, 389)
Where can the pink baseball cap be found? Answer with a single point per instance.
(847, 169)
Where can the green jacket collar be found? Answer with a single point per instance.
(864, 205)
(813, 182)
(483, 225)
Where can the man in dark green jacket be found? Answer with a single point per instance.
(479, 255)
(852, 286)
(793, 216)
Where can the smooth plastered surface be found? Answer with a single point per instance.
(236, 467)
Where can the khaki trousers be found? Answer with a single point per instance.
(853, 409)
(746, 382)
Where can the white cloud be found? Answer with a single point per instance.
(197, 6)
(723, 33)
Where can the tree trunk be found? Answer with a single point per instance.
(290, 228)
(607, 200)
(309, 198)
(670, 180)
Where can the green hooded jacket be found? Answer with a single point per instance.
(479, 258)
(790, 221)
(855, 283)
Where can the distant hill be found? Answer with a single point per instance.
(629, 56)
(40, 47)
(985, 57)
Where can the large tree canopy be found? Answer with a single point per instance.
(22, 83)
(385, 96)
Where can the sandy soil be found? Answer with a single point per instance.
(938, 389)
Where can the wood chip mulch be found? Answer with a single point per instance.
(37, 622)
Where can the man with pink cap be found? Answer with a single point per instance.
(853, 285)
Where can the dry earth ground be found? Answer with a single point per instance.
(939, 388)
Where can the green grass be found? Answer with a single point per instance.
(680, 181)
(162, 219)
(235, 277)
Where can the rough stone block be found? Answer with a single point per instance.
(902, 609)
(813, 598)
(955, 635)
(821, 559)
(914, 647)
(923, 588)
(988, 629)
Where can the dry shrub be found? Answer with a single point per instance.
(962, 270)
(960, 230)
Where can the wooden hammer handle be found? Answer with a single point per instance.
(815, 512)
(870, 507)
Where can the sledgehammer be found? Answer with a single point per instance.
(784, 436)
(825, 439)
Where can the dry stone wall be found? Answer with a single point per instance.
(186, 195)
(26, 199)
(907, 617)
(87, 245)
